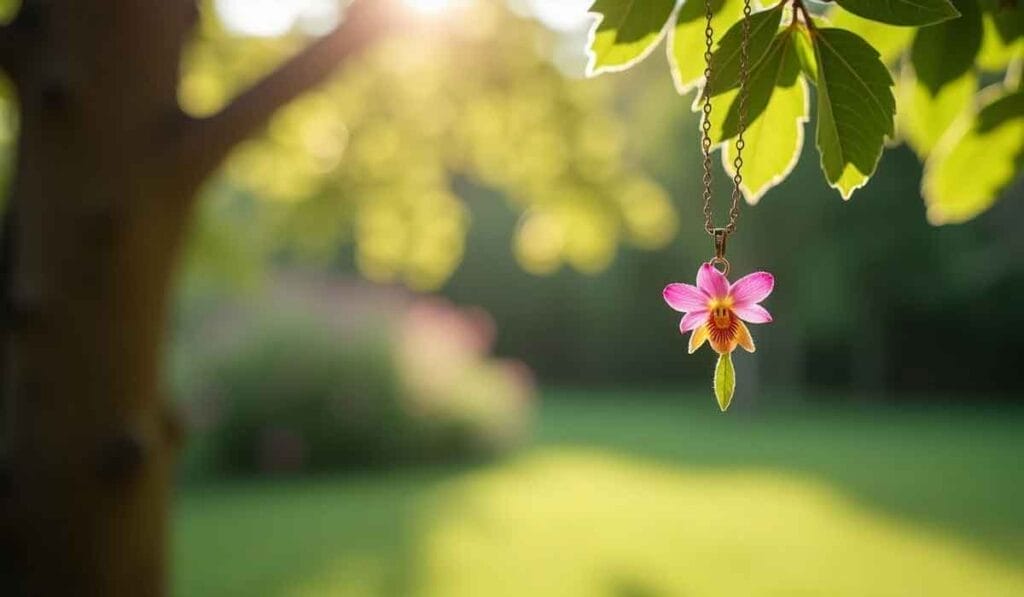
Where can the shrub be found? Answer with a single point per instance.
(289, 387)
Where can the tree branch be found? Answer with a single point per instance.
(207, 141)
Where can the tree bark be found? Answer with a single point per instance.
(107, 168)
(100, 214)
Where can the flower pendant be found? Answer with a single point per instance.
(716, 312)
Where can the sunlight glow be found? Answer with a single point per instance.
(273, 18)
(429, 6)
(435, 7)
(561, 15)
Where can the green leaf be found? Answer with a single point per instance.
(943, 53)
(804, 47)
(686, 38)
(996, 53)
(999, 112)
(924, 118)
(780, 66)
(725, 62)
(725, 381)
(1007, 17)
(1009, 23)
(890, 41)
(855, 108)
(914, 13)
(626, 32)
(778, 106)
(968, 171)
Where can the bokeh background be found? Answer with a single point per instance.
(421, 346)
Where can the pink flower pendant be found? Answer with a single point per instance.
(714, 311)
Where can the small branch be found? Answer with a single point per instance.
(206, 142)
(798, 6)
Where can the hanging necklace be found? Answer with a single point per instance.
(716, 311)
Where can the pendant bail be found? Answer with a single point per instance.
(721, 236)
(719, 261)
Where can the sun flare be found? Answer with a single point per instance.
(429, 6)
(274, 18)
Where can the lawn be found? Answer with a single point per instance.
(629, 493)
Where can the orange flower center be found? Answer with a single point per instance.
(721, 318)
(723, 326)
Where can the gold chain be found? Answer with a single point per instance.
(720, 234)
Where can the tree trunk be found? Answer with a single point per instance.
(107, 168)
(91, 444)
(99, 209)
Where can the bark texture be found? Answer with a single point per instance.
(107, 168)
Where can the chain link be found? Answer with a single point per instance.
(705, 141)
(740, 143)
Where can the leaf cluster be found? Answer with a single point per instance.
(382, 156)
(862, 59)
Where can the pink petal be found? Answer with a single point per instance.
(684, 297)
(752, 313)
(753, 288)
(712, 281)
(693, 320)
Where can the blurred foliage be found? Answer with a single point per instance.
(964, 176)
(8, 132)
(869, 295)
(8, 108)
(941, 50)
(372, 157)
(290, 384)
(8, 8)
(388, 165)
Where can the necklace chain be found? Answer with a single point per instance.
(734, 211)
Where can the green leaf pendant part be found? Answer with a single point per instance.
(725, 381)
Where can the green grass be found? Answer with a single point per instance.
(957, 468)
(260, 538)
(933, 481)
